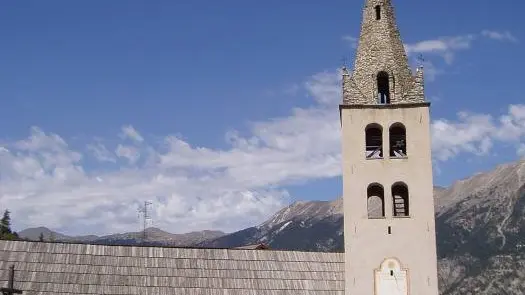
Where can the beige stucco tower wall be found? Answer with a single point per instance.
(389, 226)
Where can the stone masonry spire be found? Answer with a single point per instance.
(381, 73)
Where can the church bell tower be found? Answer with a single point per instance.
(389, 225)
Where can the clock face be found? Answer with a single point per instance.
(390, 279)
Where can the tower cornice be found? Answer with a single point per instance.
(406, 105)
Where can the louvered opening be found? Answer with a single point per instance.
(400, 200)
(374, 142)
(398, 146)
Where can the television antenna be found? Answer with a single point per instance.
(344, 60)
(145, 217)
(421, 60)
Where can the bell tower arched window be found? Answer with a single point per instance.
(374, 141)
(375, 201)
(400, 200)
(383, 87)
(398, 141)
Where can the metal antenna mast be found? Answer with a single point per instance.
(145, 218)
(421, 60)
(344, 60)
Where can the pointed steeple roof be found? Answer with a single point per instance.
(380, 52)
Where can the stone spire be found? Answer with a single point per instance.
(381, 72)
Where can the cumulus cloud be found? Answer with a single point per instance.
(100, 152)
(132, 154)
(43, 182)
(130, 132)
(477, 133)
(46, 182)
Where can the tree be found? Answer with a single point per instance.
(41, 237)
(5, 223)
(5, 227)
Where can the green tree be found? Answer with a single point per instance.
(41, 237)
(5, 227)
(5, 223)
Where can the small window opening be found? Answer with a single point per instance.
(383, 87)
(398, 145)
(374, 141)
(389, 230)
(378, 12)
(391, 273)
(376, 201)
(400, 200)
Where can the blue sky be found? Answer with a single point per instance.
(209, 105)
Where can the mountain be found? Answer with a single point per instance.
(154, 236)
(34, 234)
(481, 232)
(480, 224)
(305, 226)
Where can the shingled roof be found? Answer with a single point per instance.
(62, 268)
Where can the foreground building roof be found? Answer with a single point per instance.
(63, 268)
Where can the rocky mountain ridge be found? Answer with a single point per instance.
(154, 236)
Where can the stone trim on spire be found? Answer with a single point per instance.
(351, 93)
(417, 92)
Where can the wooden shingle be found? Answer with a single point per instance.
(56, 268)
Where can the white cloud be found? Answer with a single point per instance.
(468, 134)
(447, 46)
(324, 87)
(132, 154)
(444, 46)
(45, 182)
(500, 36)
(131, 133)
(477, 133)
(100, 152)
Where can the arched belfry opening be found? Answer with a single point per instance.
(378, 12)
(400, 200)
(374, 141)
(375, 195)
(398, 140)
(383, 87)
